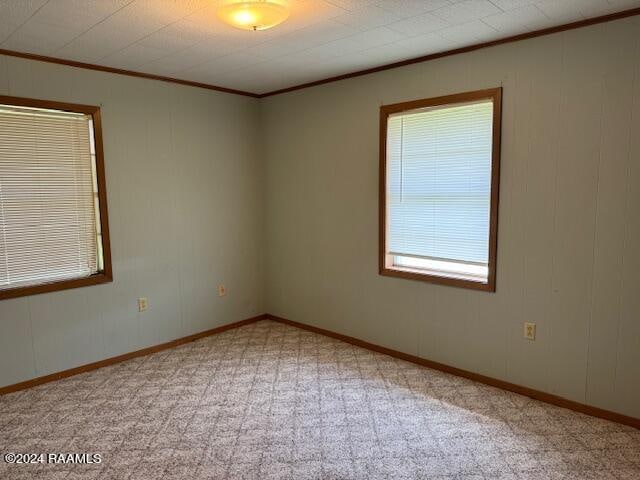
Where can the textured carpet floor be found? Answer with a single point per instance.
(268, 401)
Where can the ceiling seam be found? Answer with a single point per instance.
(93, 26)
(515, 38)
(25, 22)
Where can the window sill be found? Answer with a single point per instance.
(96, 279)
(442, 279)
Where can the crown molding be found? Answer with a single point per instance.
(425, 58)
(470, 48)
(119, 71)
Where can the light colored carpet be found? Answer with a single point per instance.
(268, 401)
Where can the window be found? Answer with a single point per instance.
(439, 170)
(53, 210)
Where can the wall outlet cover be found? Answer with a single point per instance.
(529, 331)
(143, 304)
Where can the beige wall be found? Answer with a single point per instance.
(569, 233)
(192, 204)
(184, 186)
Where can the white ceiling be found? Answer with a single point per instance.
(185, 39)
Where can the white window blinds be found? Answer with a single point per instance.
(49, 215)
(439, 183)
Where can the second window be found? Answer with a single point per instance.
(439, 163)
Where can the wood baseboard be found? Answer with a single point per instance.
(126, 356)
(494, 382)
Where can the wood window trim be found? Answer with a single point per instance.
(106, 275)
(495, 94)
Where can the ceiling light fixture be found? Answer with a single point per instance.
(254, 15)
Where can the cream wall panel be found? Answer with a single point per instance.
(541, 66)
(627, 349)
(16, 342)
(568, 256)
(185, 214)
(612, 215)
(575, 210)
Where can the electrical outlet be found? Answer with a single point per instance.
(142, 304)
(529, 331)
(222, 290)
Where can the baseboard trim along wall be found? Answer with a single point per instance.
(126, 356)
(494, 382)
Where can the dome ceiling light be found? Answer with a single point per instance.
(254, 15)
